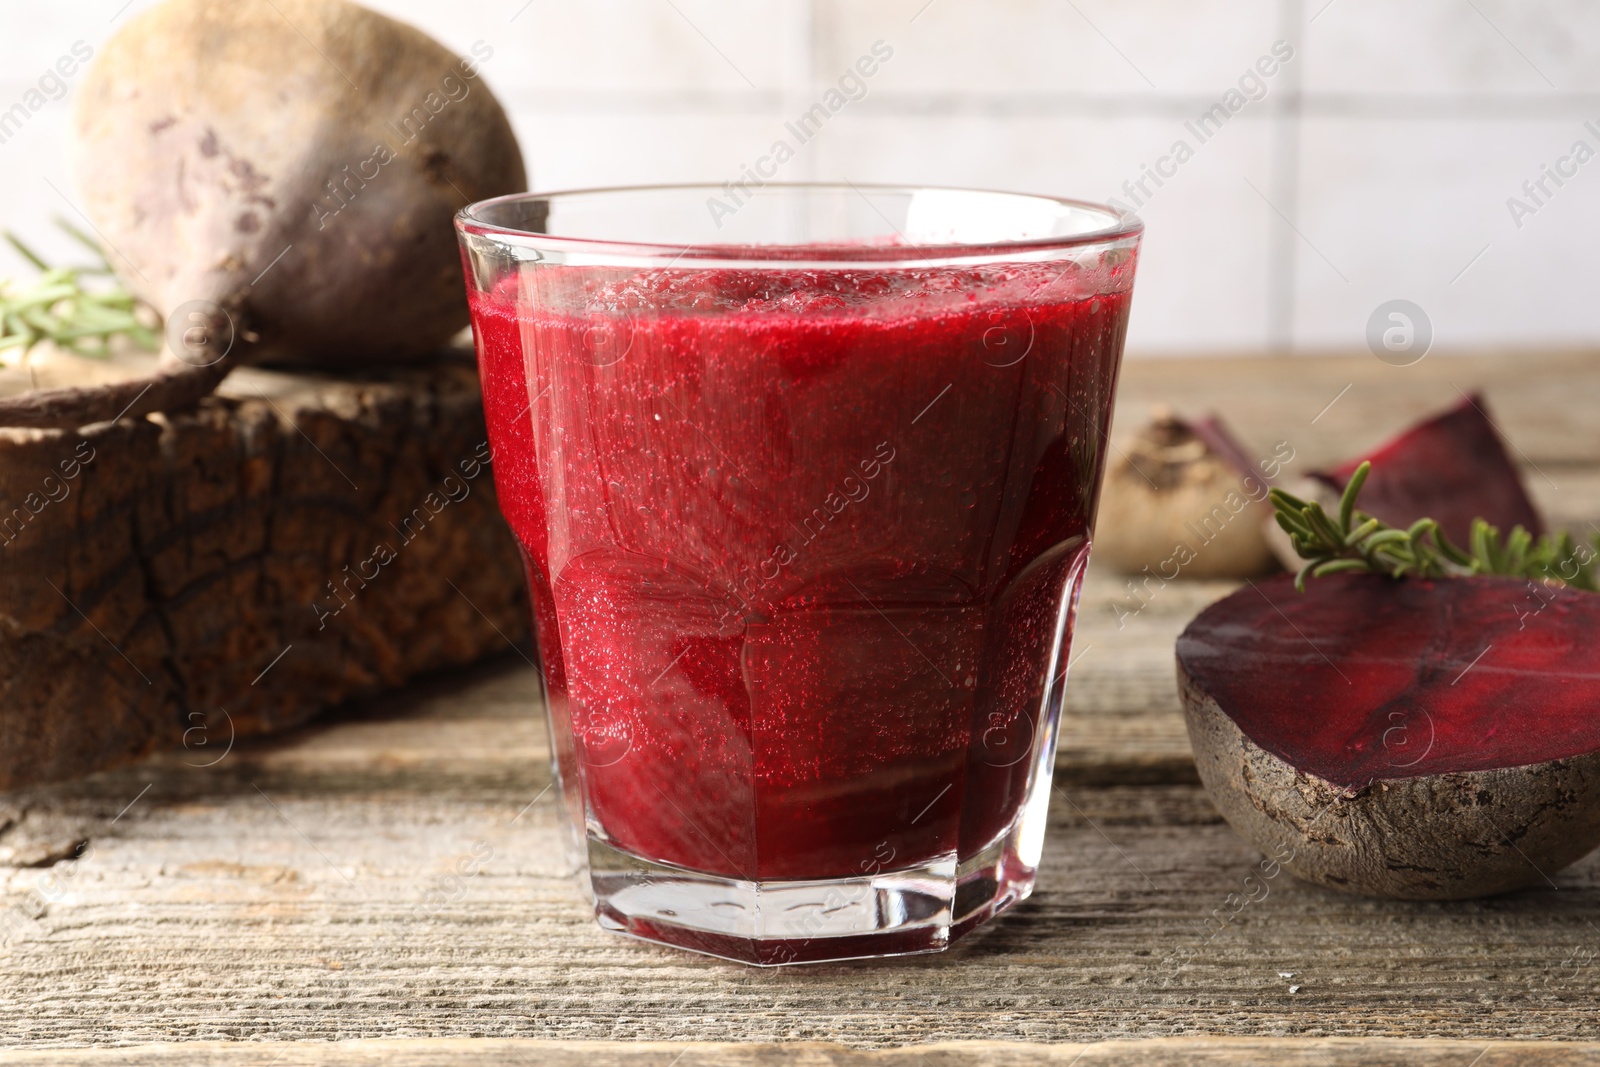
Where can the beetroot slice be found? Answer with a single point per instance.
(1418, 739)
(1314, 677)
(1453, 467)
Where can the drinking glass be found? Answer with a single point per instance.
(804, 477)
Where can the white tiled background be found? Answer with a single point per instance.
(1377, 166)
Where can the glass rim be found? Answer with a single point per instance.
(1120, 226)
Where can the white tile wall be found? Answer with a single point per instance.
(1402, 207)
(1377, 165)
(1453, 47)
(1085, 47)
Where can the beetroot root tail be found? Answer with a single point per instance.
(171, 389)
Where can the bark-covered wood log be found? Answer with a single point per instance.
(183, 579)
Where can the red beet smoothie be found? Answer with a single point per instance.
(798, 545)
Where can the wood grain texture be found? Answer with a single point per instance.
(1123, 722)
(1158, 1052)
(301, 900)
(1541, 401)
(243, 566)
(309, 888)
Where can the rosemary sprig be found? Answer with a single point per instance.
(60, 308)
(1355, 541)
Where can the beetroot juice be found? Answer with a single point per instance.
(803, 537)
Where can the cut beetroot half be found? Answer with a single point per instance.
(1419, 738)
(1453, 467)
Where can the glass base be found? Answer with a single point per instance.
(772, 924)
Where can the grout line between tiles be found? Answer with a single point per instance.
(1283, 248)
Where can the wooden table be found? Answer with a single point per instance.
(300, 891)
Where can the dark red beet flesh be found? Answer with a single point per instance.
(1453, 467)
(1364, 679)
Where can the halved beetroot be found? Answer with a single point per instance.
(1453, 467)
(1424, 739)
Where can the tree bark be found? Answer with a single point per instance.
(185, 579)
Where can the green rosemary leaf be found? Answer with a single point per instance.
(1339, 566)
(1291, 524)
(25, 252)
(1324, 528)
(1485, 548)
(1386, 536)
(1369, 527)
(1519, 547)
(1448, 549)
(104, 265)
(59, 308)
(1352, 489)
(1359, 542)
(1285, 501)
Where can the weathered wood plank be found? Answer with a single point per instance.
(1170, 1052)
(1123, 722)
(1543, 402)
(308, 889)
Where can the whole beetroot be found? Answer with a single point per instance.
(278, 178)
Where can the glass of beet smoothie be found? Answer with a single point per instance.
(804, 477)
